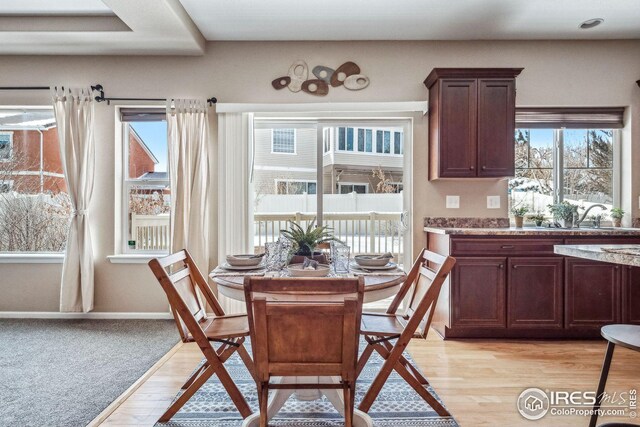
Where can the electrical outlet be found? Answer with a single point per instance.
(453, 202)
(493, 202)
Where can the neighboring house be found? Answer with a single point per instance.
(286, 160)
(141, 160)
(30, 159)
(30, 156)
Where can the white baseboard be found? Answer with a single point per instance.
(92, 315)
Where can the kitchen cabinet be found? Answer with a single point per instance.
(631, 295)
(514, 286)
(471, 122)
(479, 292)
(535, 292)
(592, 293)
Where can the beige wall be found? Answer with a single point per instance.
(555, 74)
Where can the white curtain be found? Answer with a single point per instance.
(188, 135)
(235, 133)
(74, 113)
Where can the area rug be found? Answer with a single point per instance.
(65, 372)
(398, 405)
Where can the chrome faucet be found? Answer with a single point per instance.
(579, 221)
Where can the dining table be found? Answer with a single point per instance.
(379, 285)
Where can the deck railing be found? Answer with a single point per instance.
(364, 232)
(150, 232)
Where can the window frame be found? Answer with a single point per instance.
(294, 180)
(127, 184)
(10, 157)
(295, 142)
(374, 152)
(558, 168)
(352, 184)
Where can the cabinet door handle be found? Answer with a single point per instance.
(484, 168)
(501, 266)
(515, 267)
(507, 247)
(471, 168)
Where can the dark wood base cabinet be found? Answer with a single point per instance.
(515, 287)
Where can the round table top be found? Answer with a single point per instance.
(372, 282)
(624, 335)
(374, 285)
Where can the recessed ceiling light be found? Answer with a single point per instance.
(590, 23)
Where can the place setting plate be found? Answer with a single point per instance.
(389, 266)
(227, 266)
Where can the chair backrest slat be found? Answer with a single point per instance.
(304, 326)
(182, 286)
(426, 279)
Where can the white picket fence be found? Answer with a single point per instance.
(150, 232)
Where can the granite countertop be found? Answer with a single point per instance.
(533, 231)
(600, 253)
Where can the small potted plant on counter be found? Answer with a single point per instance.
(518, 215)
(306, 241)
(537, 218)
(616, 216)
(564, 213)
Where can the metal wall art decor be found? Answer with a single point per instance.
(347, 75)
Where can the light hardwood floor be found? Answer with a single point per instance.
(479, 380)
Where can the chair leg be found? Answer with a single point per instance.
(416, 373)
(193, 377)
(248, 362)
(364, 358)
(376, 385)
(186, 395)
(264, 401)
(231, 388)
(348, 409)
(415, 383)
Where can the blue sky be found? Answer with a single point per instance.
(154, 134)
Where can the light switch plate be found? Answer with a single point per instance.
(493, 202)
(453, 202)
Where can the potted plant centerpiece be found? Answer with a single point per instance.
(564, 213)
(537, 218)
(616, 216)
(518, 215)
(306, 241)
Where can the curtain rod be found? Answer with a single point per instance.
(102, 98)
(99, 98)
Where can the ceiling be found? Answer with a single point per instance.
(182, 27)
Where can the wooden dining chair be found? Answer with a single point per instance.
(305, 327)
(425, 279)
(194, 324)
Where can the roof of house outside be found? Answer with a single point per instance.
(143, 145)
(155, 175)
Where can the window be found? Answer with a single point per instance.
(6, 145)
(34, 204)
(295, 187)
(353, 188)
(327, 140)
(283, 141)
(367, 140)
(555, 165)
(146, 187)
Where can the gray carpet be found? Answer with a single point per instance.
(65, 372)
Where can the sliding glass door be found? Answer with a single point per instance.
(346, 174)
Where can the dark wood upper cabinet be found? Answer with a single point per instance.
(471, 122)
